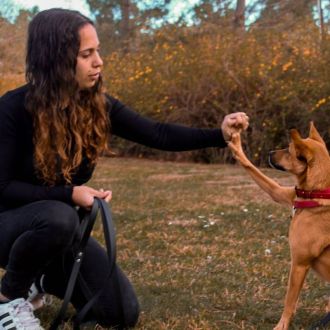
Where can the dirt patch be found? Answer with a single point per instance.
(169, 177)
(235, 195)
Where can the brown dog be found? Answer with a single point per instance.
(309, 235)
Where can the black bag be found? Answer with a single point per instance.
(86, 227)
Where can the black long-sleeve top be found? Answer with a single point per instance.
(19, 183)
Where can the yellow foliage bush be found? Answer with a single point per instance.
(10, 81)
(196, 75)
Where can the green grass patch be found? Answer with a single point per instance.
(204, 247)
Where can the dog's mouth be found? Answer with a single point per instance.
(272, 163)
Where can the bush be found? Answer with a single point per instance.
(195, 77)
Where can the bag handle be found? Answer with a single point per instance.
(110, 242)
(86, 227)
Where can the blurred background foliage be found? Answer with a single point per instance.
(269, 58)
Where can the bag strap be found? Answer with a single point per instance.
(110, 242)
(86, 227)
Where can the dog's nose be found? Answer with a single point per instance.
(272, 163)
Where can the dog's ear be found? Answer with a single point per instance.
(294, 134)
(300, 146)
(296, 137)
(314, 134)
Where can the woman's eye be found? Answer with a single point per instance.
(85, 54)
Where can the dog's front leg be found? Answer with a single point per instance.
(296, 280)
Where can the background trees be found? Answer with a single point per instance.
(265, 57)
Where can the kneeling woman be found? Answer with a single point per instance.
(52, 132)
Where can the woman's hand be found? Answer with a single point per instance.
(83, 196)
(234, 123)
(235, 146)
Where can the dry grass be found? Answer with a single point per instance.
(203, 246)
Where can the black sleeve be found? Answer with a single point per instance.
(17, 193)
(14, 192)
(172, 137)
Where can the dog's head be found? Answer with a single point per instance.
(301, 153)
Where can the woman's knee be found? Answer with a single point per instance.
(128, 308)
(132, 317)
(59, 220)
(127, 318)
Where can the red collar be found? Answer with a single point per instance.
(324, 194)
(305, 204)
(310, 194)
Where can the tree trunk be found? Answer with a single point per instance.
(239, 19)
(321, 18)
(125, 26)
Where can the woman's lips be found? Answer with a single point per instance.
(95, 75)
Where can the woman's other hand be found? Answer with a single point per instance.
(234, 123)
(83, 196)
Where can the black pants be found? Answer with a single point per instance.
(38, 239)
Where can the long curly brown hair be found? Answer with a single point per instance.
(69, 124)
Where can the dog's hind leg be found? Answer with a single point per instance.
(296, 280)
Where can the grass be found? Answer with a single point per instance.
(204, 247)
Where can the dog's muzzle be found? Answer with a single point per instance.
(272, 163)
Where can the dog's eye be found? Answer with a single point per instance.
(301, 158)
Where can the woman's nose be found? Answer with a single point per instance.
(97, 60)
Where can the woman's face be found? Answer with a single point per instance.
(89, 62)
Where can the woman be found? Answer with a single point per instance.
(52, 132)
